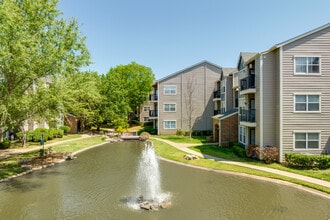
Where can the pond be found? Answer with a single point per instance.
(97, 184)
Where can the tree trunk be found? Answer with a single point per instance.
(1, 139)
(24, 136)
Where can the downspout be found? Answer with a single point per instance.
(281, 106)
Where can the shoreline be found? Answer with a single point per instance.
(261, 178)
(277, 181)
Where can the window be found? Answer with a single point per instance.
(308, 103)
(169, 107)
(169, 90)
(307, 140)
(169, 124)
(146, 119)
(304, 65)
(242, 134)
(146, 108)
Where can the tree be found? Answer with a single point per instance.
(189, 95)
(81, 96)
(36, 45)
(125, 88)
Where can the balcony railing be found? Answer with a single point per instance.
(217, 112)
(153, 113)
(248, 115)
(248, 82)
(153, 97)
(217, 94)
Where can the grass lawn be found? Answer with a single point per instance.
(18, 144)
(227, 153)
(165, 150)
(9, 166)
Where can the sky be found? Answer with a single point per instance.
(171, 35)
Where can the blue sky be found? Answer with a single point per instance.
(170, 35)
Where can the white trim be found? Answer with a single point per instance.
(164, 93)
(175, 109)
(281, 105)
(261, 111)
(169, 121)
(306, 94)
(306, 132)
(307, 73)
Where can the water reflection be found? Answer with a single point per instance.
(94, 185)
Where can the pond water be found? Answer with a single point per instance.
(97, 184)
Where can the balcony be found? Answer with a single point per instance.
(248, 85)
(217, 94)
(248, 117)
(217, 112)
(153, 114)
(153, 97)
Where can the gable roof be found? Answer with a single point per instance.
(276, 46)
(228, 71)
(300, 36)
(245, 56)
(188, 68)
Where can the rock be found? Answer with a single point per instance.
(190, 157)
(69, 157)
(165, 204)
(27, 167)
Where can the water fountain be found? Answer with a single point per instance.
(148, 190)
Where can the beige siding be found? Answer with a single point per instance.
(203, 76)
(317, 44)
(269, 99)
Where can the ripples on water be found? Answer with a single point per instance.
(96, 184)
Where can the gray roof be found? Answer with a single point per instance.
(247, 55)
(289, 41)
(228, 71)
(301, 36)
(190, 67)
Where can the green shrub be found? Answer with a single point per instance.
(303, 161)
(66, 129)
(202, 133)
(179, 132)
(239, 151)
(38, 132)
(29, 136)
(148, 129)
(58, 133)
(5, 144)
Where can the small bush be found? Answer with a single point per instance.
(202, 133)
(38, 132)
(5, 144)
(66, 129)
(239, 151)
(179, 132)
(304, 161)
(58, 133)
(148, 129)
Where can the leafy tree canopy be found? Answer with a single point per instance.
(125, 88)
(36, 45)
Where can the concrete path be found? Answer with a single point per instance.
(184, 147)
(8, 152)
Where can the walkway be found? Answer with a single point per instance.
(184, 147)
(8, 152)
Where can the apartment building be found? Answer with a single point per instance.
(279, 97)
(285, 95)
(184, 100)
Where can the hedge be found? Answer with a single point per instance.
(304, 161)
